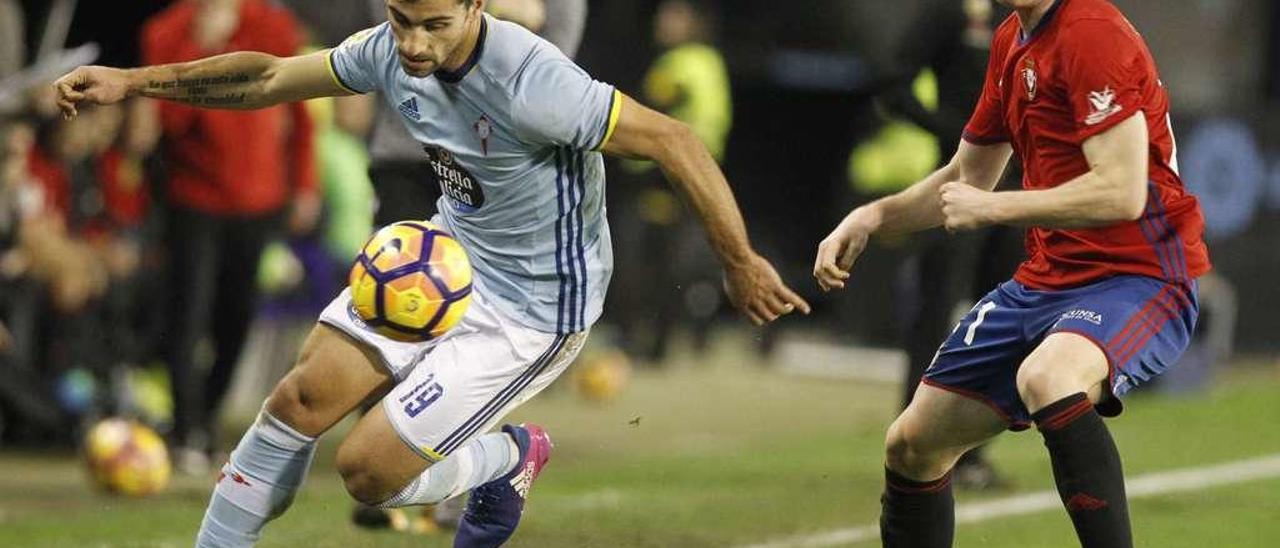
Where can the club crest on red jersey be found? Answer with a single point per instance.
(1029, 79)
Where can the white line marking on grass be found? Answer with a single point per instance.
(1158, 483)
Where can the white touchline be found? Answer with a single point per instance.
(1158, 483)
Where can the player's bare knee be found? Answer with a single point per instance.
(290, 403)
(1037, 386)
(362, 485)
(360, 477)
(1040, 384)
(895, 448)
(1030, 381)
(906, 454)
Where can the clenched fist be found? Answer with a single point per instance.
(964, 207)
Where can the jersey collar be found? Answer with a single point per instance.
(1024, 38)
(454, 77)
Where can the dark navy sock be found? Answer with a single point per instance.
(1086, 467)
(916, 514)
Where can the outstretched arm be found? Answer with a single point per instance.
(753, 285)
(242, 80)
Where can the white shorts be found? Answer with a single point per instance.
(451, 389)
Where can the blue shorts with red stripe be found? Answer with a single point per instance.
(1142, 324)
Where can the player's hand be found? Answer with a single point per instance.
(839, 249)
(963, 206)
(92, 85)
(757, 291)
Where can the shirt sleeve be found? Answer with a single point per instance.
(1105, 74)
(987, 124)
(557, 103)
(357, 64)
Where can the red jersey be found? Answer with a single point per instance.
(1081, 71)
(229, 162)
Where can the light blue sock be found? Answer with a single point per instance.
(257, 483)
(479, 461)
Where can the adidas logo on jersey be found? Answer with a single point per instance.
(409, 108)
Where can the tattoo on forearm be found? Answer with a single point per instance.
(229, 99)
(227, 89)
(200, 82)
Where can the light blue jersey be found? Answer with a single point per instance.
(513, 139)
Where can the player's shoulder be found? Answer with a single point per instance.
(1089, 20)
(371, 44)
(366, 60)
(1006, 33)
(511, 52)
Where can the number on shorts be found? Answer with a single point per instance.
(982, 315)
(424, 399)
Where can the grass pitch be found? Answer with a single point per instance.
(725, 452)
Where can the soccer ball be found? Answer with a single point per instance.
(601, 375)
(411, 282)
(126, 457)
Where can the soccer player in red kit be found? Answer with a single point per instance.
(1106, 299)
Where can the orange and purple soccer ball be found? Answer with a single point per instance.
(411, 282)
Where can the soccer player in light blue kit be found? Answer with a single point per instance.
(513, 131)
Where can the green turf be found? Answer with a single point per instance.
(725, 453)
(1230, 516)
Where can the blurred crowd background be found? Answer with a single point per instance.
(150, 252)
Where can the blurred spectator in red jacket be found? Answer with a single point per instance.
(232, 177)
